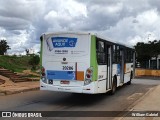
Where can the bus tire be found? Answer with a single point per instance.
(131, 76)
(114, 86)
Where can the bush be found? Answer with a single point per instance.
(34, 61)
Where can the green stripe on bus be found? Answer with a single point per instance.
(93, 58)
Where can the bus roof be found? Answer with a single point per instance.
(68, 32)
(88, 33)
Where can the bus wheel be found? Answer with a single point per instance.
(131, 76)
(114, 86)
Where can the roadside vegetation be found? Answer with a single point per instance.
(18, 63)
(147, 51)
(27, 66)
(3, 47)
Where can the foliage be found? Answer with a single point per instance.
(15, 63)
(3, 47)
(34, 61)
(146, 51)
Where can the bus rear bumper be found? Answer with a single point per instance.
(88, 89)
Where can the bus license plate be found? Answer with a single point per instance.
(64, 82)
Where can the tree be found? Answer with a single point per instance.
(3, 47)
(27, 51)
(145, 51)
(34, 61)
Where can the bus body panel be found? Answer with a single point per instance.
(93, 58)
(116, 71)
(65, 57)
(88, 89)
(127, 72)
(102, 78)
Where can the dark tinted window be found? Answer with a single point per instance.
(128, 55)
(116, 54)
(101, 54)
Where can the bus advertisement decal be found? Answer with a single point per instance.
(60, 42)
(61, 75)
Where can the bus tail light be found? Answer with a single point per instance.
(88, 78)
(43, 71)
(43, 75)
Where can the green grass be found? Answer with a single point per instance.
(14, 63)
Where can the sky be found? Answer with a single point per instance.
(125, 21)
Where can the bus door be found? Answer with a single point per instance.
(122, 65)
(109, 67)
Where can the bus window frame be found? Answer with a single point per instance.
(101, 52)
(116, 54)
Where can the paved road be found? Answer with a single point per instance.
(146, 81)
(54, 101)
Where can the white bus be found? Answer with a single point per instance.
(84, 63)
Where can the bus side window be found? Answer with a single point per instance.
(116, 54)
(101, 55)
(131, 59)
(129, 56)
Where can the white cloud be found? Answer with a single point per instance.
(2, 32)
(148, 17)
(63, 19)
(130, 30)
(75, 9)
(127, 21)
